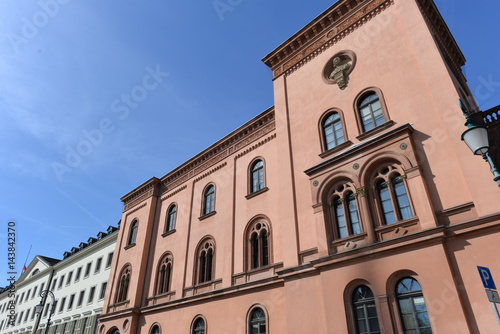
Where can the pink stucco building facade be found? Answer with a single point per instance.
(351, 206)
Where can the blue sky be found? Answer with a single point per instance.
(96, 97)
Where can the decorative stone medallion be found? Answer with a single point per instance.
(338, 68)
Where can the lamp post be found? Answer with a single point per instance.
(476, 138)
(39, 307)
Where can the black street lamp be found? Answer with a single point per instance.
(39, 307)
(476, 138)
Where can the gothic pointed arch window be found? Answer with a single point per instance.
(365, 312)
(171, 218)
(259, 244)
(205, 261)
(412, 308)
(344, 215)
(393, 202)
(332, 131)
(123, 284)
(132, 236)
(164, 274)
(257, 322)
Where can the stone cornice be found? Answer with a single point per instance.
(327, 29)
(146, 190)
(443, 36)
(248, 133)
(405, 129)
(339, 21)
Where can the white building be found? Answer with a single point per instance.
(78, 282)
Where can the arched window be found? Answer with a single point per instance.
(199, 326)
(171, 216)
(333, 134)
(365, 313)
(133, 233)
(257, 176)
(209, 199)
(393, 201)
(164, 274)
(370, 111)
(123, 284)
(155, 329)
(257, 321)
(258, 244)
(206, 254)
(344, 211)
(412, 307)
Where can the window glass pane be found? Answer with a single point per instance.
(255, 250)
(329, 138)
(405, 306)
(258, 321)
(371, 310)
(423, 319)
(332, 131)
(409, 322)
(374, 326)
(339, 134)
(353, 214)
(385, 201)
(371, 112)
(171, 218)
(340, 218)
(411, 302)
(362, 328)
(261, 178)
(265, 249)
(402, 198)
(365, 311)
(209, 199)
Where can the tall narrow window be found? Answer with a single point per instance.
(205, 261)
(102, 294)
(365, 313)
(155, 329)
(333, 134)
(257, 321)
(394, 204)
(257, 176)
(133, 232)
(209, 199)
(199, 326)
(370, 111)
(123, 285)
(258, 244)
(171, 216)
(164, 274)
(344, 211)
(412, 307)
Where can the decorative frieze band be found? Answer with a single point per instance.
(253, 147)
(343, 18)
(210, 171)
(176, 191)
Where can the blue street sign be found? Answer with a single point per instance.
(486, 278)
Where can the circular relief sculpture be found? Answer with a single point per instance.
(338, 68)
